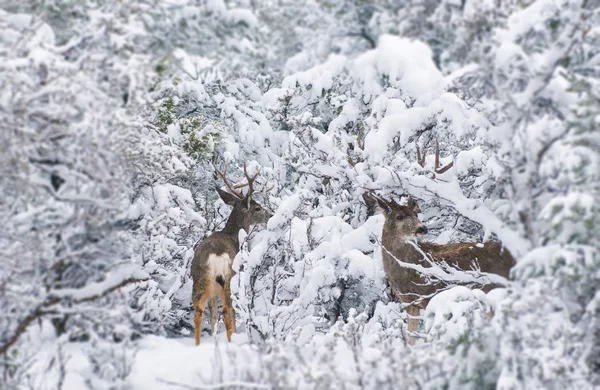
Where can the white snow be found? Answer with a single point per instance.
(237, 15)
(191, 64)
(406, 62)
(330, 103)
(164, 363)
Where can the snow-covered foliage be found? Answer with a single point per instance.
(65, 186)
(114, 113)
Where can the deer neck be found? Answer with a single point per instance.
(235, 222)
(397, 244)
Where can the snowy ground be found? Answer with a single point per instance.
(170, 363)
(160, 363)
(175, 363)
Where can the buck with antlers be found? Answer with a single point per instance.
(416, 270)
(211, 267)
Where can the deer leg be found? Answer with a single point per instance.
(213, 308)
(199, 306)
(413, 322)
(233, 319)
(228, 313)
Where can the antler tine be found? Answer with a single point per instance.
(420, 159)
(437, 168)
(437, 154)
(266, 189)
(444, 169)
(232, 188)
(352, 161)
(241, 185)
(250, 180)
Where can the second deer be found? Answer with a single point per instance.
(211, 266)
(412, 287)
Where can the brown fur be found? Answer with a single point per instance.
(206, 290)
(408, 285)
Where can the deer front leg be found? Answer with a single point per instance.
(228, 312)
(213, 309)
(199, 306)
(413, 322)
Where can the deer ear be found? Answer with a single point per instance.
(412, 204)
(370, 202)
(383, 206)
(228, 198)
(375, 204)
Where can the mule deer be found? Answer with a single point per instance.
(211, 267)
(412, 287)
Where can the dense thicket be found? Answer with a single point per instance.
(113, 112)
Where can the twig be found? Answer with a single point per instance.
(233, 384)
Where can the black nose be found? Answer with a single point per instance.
(422, 230)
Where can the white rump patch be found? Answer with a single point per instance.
(219, 265)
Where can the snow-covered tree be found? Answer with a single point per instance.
(115, 112)
(65, 186)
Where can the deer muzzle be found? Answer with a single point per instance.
(421, 230)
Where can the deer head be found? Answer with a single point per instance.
(401, 222)
(409, 285)
(246, 211)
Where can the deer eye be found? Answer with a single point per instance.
(257, 208)
(399, 217)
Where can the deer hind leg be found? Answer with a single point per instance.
(199, 306)
(228, 312)
(413, 322)
(213, 308)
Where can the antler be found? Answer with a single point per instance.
(232, 188)
(235, 187)
(420, 159)
(437, 169)
(266, 189)
(352, 161)
(358, 159)
(250, 180)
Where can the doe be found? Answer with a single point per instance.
(412, 287)
(211, 266)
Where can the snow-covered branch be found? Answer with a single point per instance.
(89, 293)
(438, 271)
(470, 208)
